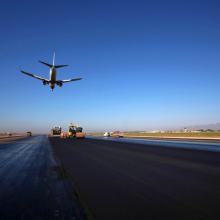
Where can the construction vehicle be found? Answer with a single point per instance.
(72, 131)
(80, 133)
(64, 134)
(75, 131)
(56, 130)
(29, 133)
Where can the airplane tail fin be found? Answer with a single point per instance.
(53, 58)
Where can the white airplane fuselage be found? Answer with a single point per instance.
(53, 74)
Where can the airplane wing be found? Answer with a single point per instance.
(34, 76)
(68, 80)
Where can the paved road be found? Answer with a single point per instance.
(31, 186)
(206, 145)
(119, 180)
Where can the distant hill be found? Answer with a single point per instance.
(205, 127)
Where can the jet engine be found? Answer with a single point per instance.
(59, 84)
(44, 83)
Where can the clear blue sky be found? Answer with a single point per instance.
(145, 64)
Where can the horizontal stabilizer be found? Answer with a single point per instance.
(60, 66)
(47, 64)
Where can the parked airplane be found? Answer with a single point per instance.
(52, 81)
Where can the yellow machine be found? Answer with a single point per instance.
(72, 131)
(76, 131)
(80, 133)
(64, 135)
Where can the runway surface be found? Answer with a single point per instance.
(31, 184)
(206, 145)
(118, 180)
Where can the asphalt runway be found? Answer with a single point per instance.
(31, 184)
(118, 180)
(195, 144)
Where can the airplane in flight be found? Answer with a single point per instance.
(52, 81)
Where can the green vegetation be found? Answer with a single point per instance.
(95, 133)
(205, 134)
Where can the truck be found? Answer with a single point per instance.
(29, 133)
(56, 130)
(117, 134)
(107, 134)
